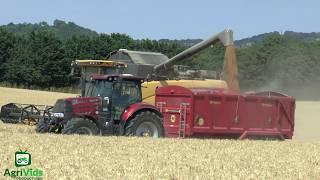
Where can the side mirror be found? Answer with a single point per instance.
(106, 99)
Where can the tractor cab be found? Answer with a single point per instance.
(116, 91)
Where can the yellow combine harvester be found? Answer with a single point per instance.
(159, 70)
(148, 88)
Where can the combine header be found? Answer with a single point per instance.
(25, 113)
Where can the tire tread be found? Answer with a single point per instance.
(74, 123)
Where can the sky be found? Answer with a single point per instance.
(170, 19)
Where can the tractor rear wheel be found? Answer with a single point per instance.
(145, 123)
(43, 126)
(80, 126)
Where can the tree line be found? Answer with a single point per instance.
(41, 59)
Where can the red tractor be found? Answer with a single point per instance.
(112, 105)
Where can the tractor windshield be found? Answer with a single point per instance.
(124, 94)
(99, 88)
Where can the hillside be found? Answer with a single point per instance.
(250, 41)
(305, 37)
(63, 30)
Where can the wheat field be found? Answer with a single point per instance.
(24, 96)
(85, 157)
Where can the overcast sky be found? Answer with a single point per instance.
(172, 19)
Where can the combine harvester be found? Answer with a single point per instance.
(158, 70)
(114, 95)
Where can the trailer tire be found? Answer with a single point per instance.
(144, 122)
(43, 126)
(81, 126)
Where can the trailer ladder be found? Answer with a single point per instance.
(182, 120)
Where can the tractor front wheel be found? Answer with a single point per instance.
(80, 126)
(43, 125)
(145, 123)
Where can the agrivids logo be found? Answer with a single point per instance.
(21, 159)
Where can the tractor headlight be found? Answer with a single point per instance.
(58, 115)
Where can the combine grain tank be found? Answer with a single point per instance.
(210, 112)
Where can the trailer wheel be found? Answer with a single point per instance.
(80, 126)
(145, 123)
(43, 126)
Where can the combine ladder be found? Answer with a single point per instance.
(182, 121)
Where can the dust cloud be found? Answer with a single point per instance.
(305, 91)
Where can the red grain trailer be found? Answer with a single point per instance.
(225, 113)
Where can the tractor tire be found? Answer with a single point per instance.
(145, 123)
(43, 126)
(80, 126)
